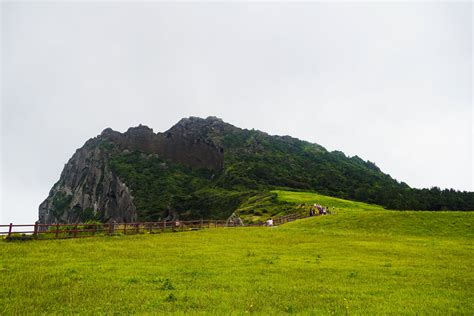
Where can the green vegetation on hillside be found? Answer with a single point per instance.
(256, 163)
(361, 260)
(162, 189)
(260, 206)
(255, 159)
(206, 168)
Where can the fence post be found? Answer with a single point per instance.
(10, 229)
(57, 230)
(125, 229)
(163, 226)
(35, 233)
(110, 229)
(138, 228)
(200, 224)
(75, 231)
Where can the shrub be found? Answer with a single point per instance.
(19, 237)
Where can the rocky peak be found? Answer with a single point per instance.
(195, 119)
(210, 129)
(89, 188)
(108, 131)
(186, 143)
(140, 130)
(197, 123)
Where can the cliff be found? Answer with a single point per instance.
(89, 189)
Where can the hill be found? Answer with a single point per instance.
(358, 261)
(209, 168)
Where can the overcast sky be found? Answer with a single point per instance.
(391, 83)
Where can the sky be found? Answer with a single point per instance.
(389, 82)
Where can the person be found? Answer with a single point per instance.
(311, 212)
(270, 222)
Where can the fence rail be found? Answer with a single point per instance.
(79, 230)
(287, 218)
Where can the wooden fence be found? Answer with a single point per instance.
(287, 218)
(78, 230)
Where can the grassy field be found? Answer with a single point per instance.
(362, 260)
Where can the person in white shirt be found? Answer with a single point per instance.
(270, 222)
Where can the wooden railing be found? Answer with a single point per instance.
(85, 229)
(78, 230)
(287, 218)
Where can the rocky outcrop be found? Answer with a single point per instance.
(88, 188)
(181, 144)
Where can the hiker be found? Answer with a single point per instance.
(270, 222)
(320, 209)
(311, 212)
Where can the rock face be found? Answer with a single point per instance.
(181, 144)
(88, 188)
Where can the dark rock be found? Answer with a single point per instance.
(88, 189)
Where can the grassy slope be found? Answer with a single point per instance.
(361, 262)
(263, 205)
(311, 198)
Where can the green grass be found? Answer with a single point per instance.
(257, 208)
(263, 205)
(311, 198)
(362, 260)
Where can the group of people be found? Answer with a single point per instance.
(314, 210)
(317, 209)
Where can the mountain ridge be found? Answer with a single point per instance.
(207, 168)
